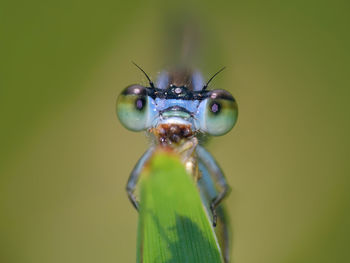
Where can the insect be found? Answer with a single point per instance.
(178, 112)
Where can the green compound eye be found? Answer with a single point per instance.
(221, 113)
(133, 108)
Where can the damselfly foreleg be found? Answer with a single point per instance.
(218, 177)
(135, 175)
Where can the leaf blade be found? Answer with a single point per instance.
(173, 224)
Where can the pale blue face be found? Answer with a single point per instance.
(142, 108)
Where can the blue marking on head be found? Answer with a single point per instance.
(189, 105)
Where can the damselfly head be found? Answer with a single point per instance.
(177, 107)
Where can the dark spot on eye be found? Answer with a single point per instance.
(215, 107)
(140, 104)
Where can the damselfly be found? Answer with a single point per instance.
(177, 112)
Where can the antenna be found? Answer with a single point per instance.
(206, 85)
(149, 80)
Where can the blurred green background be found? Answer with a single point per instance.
(65, 159)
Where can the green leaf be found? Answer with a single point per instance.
(173, 224)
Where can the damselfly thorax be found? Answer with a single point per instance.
(177, 112)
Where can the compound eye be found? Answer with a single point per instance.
(221, 112)
(133, 108)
